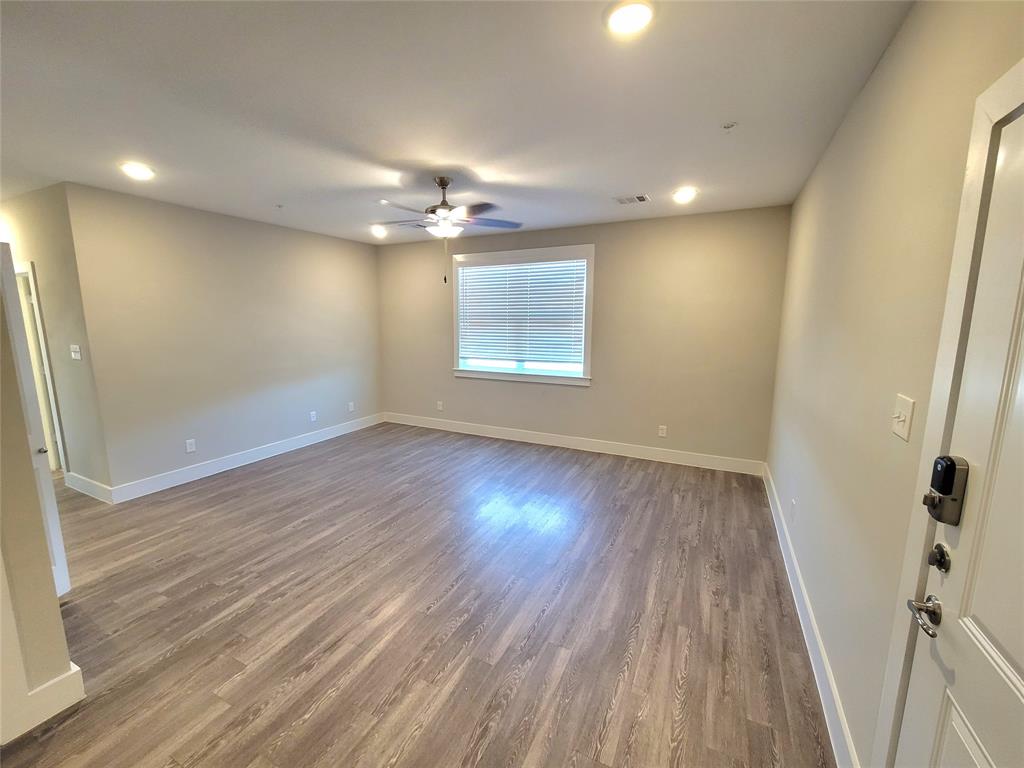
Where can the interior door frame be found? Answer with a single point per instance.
(33, 419)
(44, 353)
(1000, 102)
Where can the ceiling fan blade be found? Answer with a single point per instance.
(391, 204)
(499, 223)
(476, 210)
(399, 221)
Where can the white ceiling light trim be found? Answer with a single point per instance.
(685, 195)
(136, 170)
(630, 18)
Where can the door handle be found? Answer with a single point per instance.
(930, 609)
(43, 450)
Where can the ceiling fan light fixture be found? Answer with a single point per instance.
(443, 219)
(444, 228)
(630, 17)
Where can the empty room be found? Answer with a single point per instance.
(511, 383)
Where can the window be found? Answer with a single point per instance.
(525, 315)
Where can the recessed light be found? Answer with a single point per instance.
(684, 195)
(629, 17)
(137, 171)
(383, 202)
(379, 231)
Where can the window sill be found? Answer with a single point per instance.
(573, 381)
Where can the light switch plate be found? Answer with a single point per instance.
(76, 352)
(902, 417)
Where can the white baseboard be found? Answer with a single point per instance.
(89, 487)
(667, 455)
(165, 480)
(42, 703)
(147, 485)
(835, 717)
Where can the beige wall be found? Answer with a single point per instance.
(869, 259)
(40, 231)
(217, 328)
(685, 325)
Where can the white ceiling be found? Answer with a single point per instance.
(324, 108)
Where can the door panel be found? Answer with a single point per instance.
(958, 743)
(998, 555)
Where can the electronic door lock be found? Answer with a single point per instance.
(945, 498)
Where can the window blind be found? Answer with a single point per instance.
(523, 312)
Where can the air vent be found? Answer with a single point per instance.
(631, 199)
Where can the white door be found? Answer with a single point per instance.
(33, 420)
(40, 367)
(965, 702)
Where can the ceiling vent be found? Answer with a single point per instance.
(632, 199)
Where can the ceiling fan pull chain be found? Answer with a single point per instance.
(447, 261)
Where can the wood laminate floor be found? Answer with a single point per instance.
(408, 597)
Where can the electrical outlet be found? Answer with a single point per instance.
(351, 406)
(792, 510)
(440, 405)
(662, 430)
(312, 415)
(190, 445)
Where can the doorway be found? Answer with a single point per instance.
(46, 393)
(16, 326)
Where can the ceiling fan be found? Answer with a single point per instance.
(446, 220)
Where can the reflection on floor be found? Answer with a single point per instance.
(407, 597)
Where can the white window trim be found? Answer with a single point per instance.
(537, 378)
(527, 256)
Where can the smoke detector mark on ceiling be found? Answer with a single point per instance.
(632, 199)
